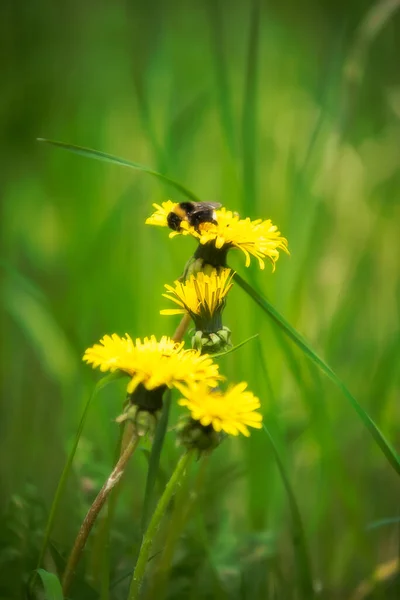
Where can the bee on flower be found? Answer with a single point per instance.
(226, 230)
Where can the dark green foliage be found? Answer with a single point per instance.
(51, 585)
(275, 112)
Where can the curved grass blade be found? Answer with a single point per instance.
(221, 60)
(109, 158)
(67, 468)
(298, 537)
(154, 461)
(51, 584)
(382, 523)
(249, 113)
(376, 433)
(220, 354)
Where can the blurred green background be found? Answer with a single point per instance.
(281, 110)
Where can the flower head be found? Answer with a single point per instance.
(258, 238)
(159, 217)
(232, 412)
(152, 363)
(202, 295)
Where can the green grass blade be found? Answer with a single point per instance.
(67, 468)
(154, 462)
(249, 113)
(216, 20)
(51, 584)
(378, 436)
(109, 158)
(234, 348)
(382, 523)
(299, 541)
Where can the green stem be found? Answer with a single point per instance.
(67, 468)
(148, 537)
(184, 505)
(104, 579)
(94, 511)
(181, 329)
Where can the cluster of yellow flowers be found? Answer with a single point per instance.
(167, 363)
(154, 365)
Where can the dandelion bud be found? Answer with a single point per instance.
(192, 267)
(212, 343)
(144, 422)
(193, 435)
(143, 409)
(211, 256)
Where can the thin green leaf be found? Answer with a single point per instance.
(109, 158)
(221, 60)
(51, 584)
(383, 523)
(154, 462)
(67, 468)
(378, 436)
(298, 537)
(249, 114)
(235, 347)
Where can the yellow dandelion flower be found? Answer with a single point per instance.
(159, 218)
(258, 238)
(202, 295)
(232, 411)
(152, 363)
(187, 368)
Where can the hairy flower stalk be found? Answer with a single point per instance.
(94, 511)
(181, 329)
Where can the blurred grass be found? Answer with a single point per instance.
(273, 127)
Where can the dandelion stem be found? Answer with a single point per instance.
(182, 328)
(68, 465)
(158, 514)
(185, 502)
(94, 511)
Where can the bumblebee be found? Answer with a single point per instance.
(194, 213)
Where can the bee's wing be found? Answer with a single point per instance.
(203, 205)
(199, 207)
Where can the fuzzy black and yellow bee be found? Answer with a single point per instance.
(193, 213)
